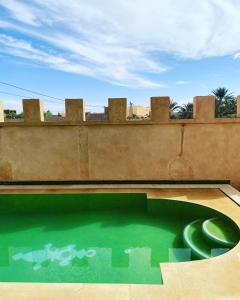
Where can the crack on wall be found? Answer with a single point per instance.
(181, 140)
(180, 167)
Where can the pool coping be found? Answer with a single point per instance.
(205, 279)
(226, 188)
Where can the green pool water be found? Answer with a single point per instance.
(92, 238)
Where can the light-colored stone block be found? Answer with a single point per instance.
(204, 108)
(105, 292)
(1, 112)
(117, 109)
(160, 109)
(33, 110)
(238, 106)
(75, 110)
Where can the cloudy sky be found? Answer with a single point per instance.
(97, 49)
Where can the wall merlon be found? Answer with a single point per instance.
(203, 112)
(117, 109)
(75, 110)
(238, 106)
(1, 112)
(33, 110)
(204, 108)
(160, 109)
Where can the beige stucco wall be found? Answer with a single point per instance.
(111, 151)
(159, 149)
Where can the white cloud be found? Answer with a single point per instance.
(4, 24)
(23, 49)
(182, 82)
(237, 55)
(20, 11)
(122, 41)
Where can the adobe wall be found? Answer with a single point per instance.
(158, 149)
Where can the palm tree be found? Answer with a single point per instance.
(20, 116)
(11, 115)
(48, 114)
(186, 111)
(172, 107)
(225, 103)
(230, 107)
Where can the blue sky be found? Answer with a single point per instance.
(136, 49)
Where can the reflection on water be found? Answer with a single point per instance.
(50, 253)
(65, 255)
(179, 254)
(135, 263)
(96, 263)
(97, 246)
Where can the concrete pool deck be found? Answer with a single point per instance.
(215, 278)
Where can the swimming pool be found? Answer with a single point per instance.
(104, 237)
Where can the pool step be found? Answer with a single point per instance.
(199, 243)
(219, 231)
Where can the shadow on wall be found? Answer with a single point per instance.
(180, 168)
(5, 171)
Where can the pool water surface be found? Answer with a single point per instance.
(93, 238)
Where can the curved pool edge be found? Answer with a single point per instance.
(235, 218)
(209, 279)
(212, 272)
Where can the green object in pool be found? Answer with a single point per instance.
(195, 241)
(220, 231)
(203, 237)
(92, 238)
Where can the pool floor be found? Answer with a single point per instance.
(99, 246)
(112, 239)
